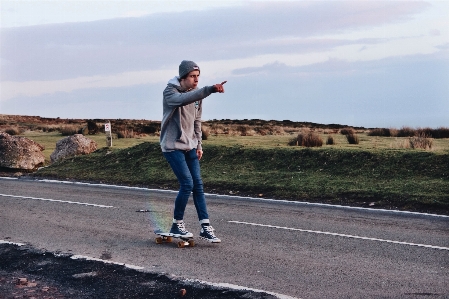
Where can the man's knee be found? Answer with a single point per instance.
(187, 186)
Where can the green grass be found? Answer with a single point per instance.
(259, 166)
(48, 140)
(440, 146)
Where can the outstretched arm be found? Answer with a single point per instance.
(219, 87)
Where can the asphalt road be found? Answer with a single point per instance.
(299, 250)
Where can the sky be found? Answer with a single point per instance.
(357, 63)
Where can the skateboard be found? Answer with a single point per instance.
(163, 237)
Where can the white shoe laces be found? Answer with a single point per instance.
(210, 230)
(182, 227)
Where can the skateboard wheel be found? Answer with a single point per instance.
(181, 244)
(159, 240)
(169, 239)
(191, 243)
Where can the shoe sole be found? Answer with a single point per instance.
(178, 236)
(211, 241)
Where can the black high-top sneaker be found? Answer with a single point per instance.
(179, 230)
(207, 233)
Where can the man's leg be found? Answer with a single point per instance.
(207, 231)
(177, 161)
(198, 191)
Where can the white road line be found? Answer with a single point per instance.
(57, 200)
(244, 198)
(340, 235)
(12, 243)
(85, 257)
(240, 288)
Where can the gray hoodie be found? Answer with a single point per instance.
(181, 120)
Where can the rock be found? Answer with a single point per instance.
(22, 281)
(20, 152)
(72, 146)
(182, 292)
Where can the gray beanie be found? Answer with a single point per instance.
(186, 67)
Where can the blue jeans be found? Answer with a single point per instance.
(186, 166)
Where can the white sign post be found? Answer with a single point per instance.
(107, 130)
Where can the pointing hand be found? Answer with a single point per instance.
(219, 87)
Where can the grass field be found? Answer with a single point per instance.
(370, 143)
(374, 173)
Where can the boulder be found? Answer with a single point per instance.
(72, 146)
(20, 152)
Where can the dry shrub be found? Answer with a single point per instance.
(347, 131)
(424, 131)
(421, 141)
(393, 132)
(441, 132)
(278, 130)
(406, 132)
(383, 132)
(92, 127)
(125, 134)
(352, 138)
(330, 140)
(261, 131)
(309, 139)
(68, 130)
(244, 130)
(269, 130)
(205, 132)
(13, 131)
(400, 143)
(151, 128)
(217, 129)
(47, 128)
(289, 130)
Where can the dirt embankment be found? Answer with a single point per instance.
(28, 273)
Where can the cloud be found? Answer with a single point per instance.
(11, 89)
(434, 32)
(61, 51)
(389, 92)
(354, 63)
(443, 46)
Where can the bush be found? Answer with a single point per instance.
(433, 133)
(244, 130)
(261, 131)
(383, 132)
(330, 140)
(151, 128)
(424, 132)
(68, 130)
(347, 131)
(441, 132)
(13, 131)
(421, 141)
(125, 134)
(310, 139)
(352, 138)
(217, 129)
(204, 132)
(406, 132)
(92, 127)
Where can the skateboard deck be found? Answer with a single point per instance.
(163, 237)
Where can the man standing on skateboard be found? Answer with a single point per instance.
(181, 144)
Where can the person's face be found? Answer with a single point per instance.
(191, 81)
